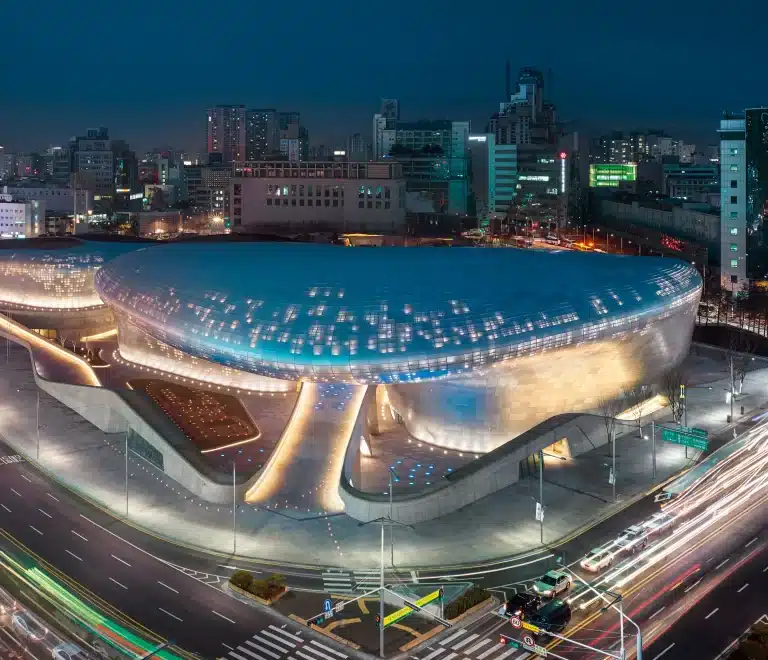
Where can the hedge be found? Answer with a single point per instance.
(471, 597)
(754, 646)
(267, 589)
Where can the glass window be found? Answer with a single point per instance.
(293, 190)
(361, 192)
(734, 215)
(734, 247)
(301, 190)
(318, 192)
(734, 231)
(734, 199)
(734, 168)
(269, 188)
(285, 202)
(285, 190)
(379, 192)
(269, 201)
(387, 205)
(378, 204)
(327, 202)
(309, 202)
(734, 263)
(327, 192)
(293, 202)
(370, 205)
(309, 189)
(335, 191)
(387, 192)
(361, 205)
(734, 151)
(335, 202)
(301, 202)
(734, 183)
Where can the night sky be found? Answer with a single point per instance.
(149, 70)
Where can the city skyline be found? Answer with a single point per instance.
(644, 87)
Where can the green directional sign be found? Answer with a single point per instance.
(687, 436)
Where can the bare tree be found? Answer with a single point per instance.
(670, 387)
(609, 407)
(741, 346)
(637, 398)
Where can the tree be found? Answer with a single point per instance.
(637, 398)
(670, 387)
(609, 408)
(741, 346)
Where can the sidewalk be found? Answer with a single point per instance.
(502, 524)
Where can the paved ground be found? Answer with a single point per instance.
(497, 526)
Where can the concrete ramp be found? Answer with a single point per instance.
(302, 476)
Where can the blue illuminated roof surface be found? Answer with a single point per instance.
(381, 314)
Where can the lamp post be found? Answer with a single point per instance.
(37, 415)
(391, 529)
(126, 472)
(234, 507)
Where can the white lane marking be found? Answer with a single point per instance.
(122, 561)
(251, 653)
(278, 639)
(751, 542)
(450, 656)
(479, 645)
(286, 633)
(717, 609)
(434, 654)
(231, 648)
(723, 563)
(318, 652)
(24, 476)
(36, 529)
(45, 513)
(79, 535)
(270, 644)
(237, 655)
(73, 554)
(222, 616)
(490, 650)
(262, 649)
(659, 611)
(692, 586)
(118, 583)
(171, 615)
(13, 490)
(465, 641)
(746, 584)
(664, 651)
(509, 651)
(53, 498)
(5, 507)
(455, 635)
(327, 648)
(765, 569)
(309, 657)
(173, 590)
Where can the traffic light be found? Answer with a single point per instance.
(378, 620)
(503, 639)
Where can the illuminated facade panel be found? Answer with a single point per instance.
(611, 175)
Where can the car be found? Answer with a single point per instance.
(659, 522)
(596, 560)
(68, 652)
(552, 583)
(633, 539)
(28, 627)
(8, 603)
(522, 605)
(553, 617)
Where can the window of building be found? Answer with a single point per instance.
(293, 202)
(335, 191)
(734, 151)
(734, 183)
(327, 192)
(327, 202)
(734, 247)
(361, 205)
(269, 201)
(370, 205)
(734, 199)
(379, 192)
(387, 205)
(335, 202)
(285, 202)
(734, 168)
(734, 215)
(378, 204)
(309, 202)
(301, 202)
(734, 263)
(318, 192)
(309, 189)
(734, 231)
(387, 192)
(361, 192)
(285, 190)
(269, 189)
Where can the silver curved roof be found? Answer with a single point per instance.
(60, 278)
(384, 314)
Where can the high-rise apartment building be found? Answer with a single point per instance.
(226, 132)
(94, 163)
(357, 148)
(735, 224)
(261, 133)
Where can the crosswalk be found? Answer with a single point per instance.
(463, 645)
(273, 643)
(337, 581)
(7, 460)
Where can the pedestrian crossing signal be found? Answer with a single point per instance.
(378, 620)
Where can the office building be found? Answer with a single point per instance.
(357, 148)
(57, 199)
(261, 133)
(226, 132)
(735, 225)
(311, 197)
(693, 183)
(20, 219)
(94, 165)
(7, 165)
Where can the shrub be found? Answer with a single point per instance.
(242, 579)
(471, 597)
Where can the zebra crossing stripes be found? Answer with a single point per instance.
(275, 643)
(459, 645)
(337, 581)
(14, 458)
(367, 580)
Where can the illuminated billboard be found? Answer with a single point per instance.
(611, 175)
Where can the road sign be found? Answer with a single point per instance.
(611, 477)
(327, 605)
(531, 627)
(687, 436)
(515, 621)
(539, 512)
(540, 650)
(528, 641)
(338, 607)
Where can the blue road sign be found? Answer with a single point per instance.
(327, 605)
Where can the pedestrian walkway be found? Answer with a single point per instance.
(499, 525)
(463, 645)
(282, 643)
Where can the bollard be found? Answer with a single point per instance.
(728, 419)
(742, 410)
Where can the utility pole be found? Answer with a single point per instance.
(541, 493)
(381, 595)
(126, 472)
(731, 363)
(37, 414)
(391, 528)
(653, 448)
(234, 508)
(613, 461)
